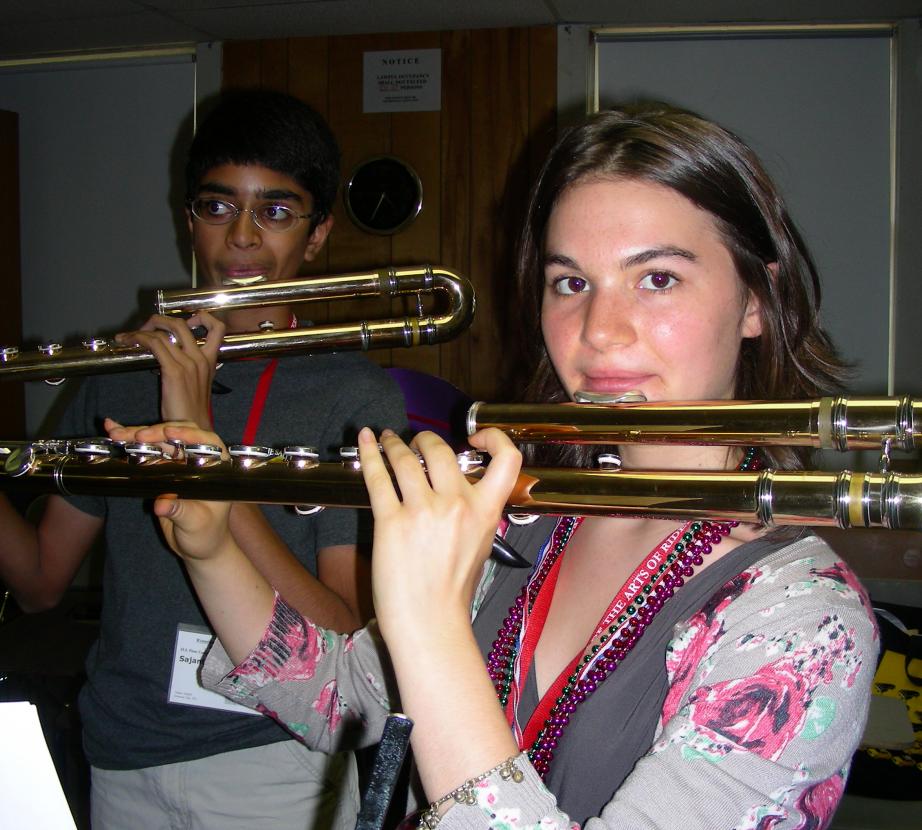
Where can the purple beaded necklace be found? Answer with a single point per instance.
(614, 638)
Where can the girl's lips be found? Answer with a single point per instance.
(614, 384)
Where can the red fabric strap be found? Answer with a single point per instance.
(535, 625)
(259, 402)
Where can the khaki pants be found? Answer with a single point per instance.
(282, 786)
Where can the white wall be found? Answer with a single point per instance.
(101, 152)
(836, 170)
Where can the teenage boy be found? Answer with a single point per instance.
(261, 177)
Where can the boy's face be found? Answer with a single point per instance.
(240, 250)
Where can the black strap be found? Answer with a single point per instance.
(392, 750)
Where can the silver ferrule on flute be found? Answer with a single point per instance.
(829, 423)
(453, 314)
(100, 467)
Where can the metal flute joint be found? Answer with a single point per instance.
(453, 313)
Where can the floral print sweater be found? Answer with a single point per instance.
(768, 692)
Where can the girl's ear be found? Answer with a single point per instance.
(752, 317)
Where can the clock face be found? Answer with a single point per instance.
(383, 195)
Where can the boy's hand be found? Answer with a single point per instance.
(186, 369)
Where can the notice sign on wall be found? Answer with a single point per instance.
(408, 80)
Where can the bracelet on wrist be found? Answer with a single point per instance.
(508, 770)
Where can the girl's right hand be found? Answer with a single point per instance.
(434, 530)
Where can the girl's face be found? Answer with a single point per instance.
(641, 293)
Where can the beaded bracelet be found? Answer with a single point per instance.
(465, 793)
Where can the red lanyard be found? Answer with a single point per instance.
(258, 405)
(533, 624)
(259, 402)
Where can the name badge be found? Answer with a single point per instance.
(192, 642)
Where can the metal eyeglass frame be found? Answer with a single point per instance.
(230, 218)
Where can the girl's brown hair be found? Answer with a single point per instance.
(711, 167)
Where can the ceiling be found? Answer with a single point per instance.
(31, 28)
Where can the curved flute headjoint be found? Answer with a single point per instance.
(452, 313)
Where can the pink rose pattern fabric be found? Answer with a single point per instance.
(330, 705)
(769, 684)
(291, 652)
(764, 711)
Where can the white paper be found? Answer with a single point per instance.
(30, 792)
(407, 80)
(191, 643)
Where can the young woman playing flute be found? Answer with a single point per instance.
(646, 673)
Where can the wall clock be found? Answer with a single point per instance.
(383, 195)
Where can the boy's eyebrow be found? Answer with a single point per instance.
(277, 193)
(216, 187)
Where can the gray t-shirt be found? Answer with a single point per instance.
(321, 400)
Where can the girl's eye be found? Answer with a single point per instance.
(658, 281)
(570, 285)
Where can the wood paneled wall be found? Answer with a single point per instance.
(476, 159)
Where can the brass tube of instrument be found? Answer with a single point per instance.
(769, 497)
(845, 499)
(454, 296)
(384, 282)
(838, 423)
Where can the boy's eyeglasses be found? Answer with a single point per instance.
(268, 217)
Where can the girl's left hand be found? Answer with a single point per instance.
(431, 540)
(195, 530)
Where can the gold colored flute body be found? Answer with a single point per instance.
(454, 298)
(843, 499)
(838, 423)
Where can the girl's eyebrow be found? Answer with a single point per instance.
(643, 257)
(559, 259)
(640, 258)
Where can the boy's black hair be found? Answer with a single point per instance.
(271, 129)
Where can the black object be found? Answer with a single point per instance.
(383, 195)
(392, 750)
(505, 554)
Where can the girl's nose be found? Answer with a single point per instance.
(609, 320)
